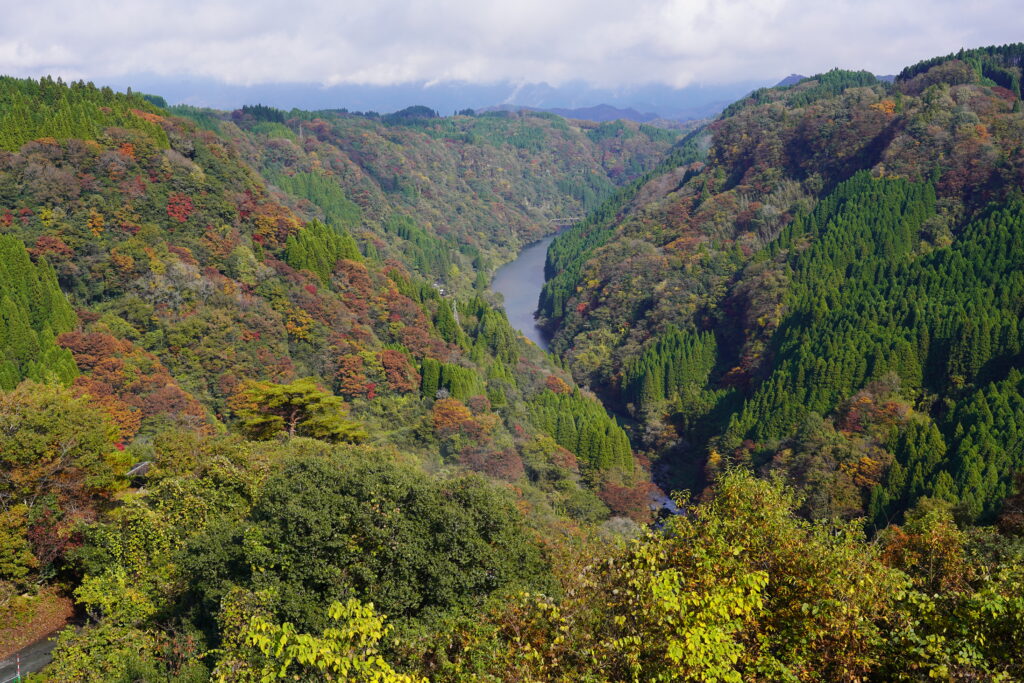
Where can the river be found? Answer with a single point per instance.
(520, 282)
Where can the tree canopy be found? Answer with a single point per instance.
(299, 408)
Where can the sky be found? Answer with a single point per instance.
(605, 43)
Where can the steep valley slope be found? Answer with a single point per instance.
(824, 283)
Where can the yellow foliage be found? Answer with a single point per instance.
(47, 216)
(886, 106)
(156, 264)
(123, 262)
(299, 323)
(95, 222)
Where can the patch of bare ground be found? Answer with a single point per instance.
(26, 619)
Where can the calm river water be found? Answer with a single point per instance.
(520, 282)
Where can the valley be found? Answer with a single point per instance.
(366, 460)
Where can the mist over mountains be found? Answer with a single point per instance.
(653, 100)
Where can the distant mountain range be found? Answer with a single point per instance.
(652, 103)
(577, 99)
(604, 113)
(599, 113)
(665, 117)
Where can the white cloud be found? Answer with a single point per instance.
(604, 42)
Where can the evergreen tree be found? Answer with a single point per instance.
(430, 373)
(298, 409)
(318, 248)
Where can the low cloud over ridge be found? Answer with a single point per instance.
(609, 44)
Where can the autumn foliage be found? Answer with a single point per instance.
(129, 384)
(401, 375)
(179, 207)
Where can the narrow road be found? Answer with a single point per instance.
(33, 658)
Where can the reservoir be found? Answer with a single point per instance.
(520, 282)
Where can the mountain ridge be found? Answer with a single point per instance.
(703, 232)
(695, 101)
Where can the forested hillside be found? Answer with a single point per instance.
(452, 197)
(195, 310)
(827, 286)
(261, 417)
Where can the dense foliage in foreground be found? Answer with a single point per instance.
(740, 588)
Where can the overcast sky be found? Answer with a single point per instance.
(607, 43)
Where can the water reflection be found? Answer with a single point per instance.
(520, 282)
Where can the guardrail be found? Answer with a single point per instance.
(17, 676)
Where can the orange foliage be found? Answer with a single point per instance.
(421, 344)
(274, 223)
(352, 380)
(51, 246)
(934, 552)
(629, 501)
(863, 413)
(563, 457)
(556, 385)
(146, 116)
(867, 471)
(686, 243)
(505, 464)
(127, 418)
(122, 261)
(95, 222)
(221, 242)
(450, 416)
(129, 383)
(401, 375)
(886, 106)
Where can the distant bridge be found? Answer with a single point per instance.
(568, 220)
